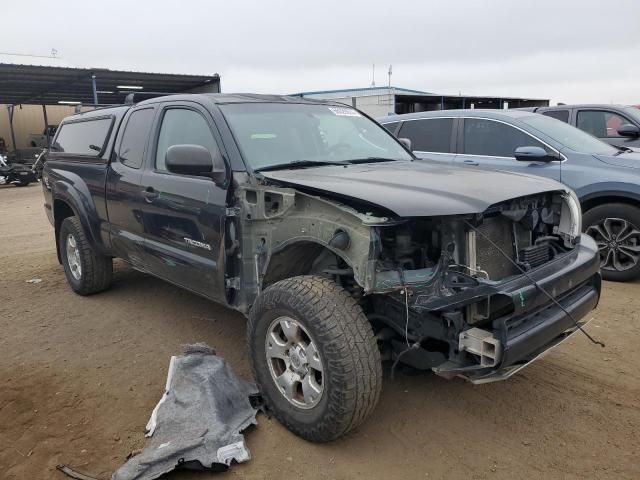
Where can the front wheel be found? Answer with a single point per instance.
(315, 357)
(87, 272)
(615, 228)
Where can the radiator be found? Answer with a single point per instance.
(488, 258)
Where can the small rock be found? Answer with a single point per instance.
(526, 442)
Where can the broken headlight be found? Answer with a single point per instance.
(570, 224)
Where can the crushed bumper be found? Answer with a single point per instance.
(538, 325)
(510, 370)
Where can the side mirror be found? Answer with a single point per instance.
(406, 142)
(195, 160)
(534, 154)
(629, 130)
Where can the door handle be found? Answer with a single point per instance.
(471, 162)
(150, 194)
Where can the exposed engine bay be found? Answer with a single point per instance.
(440, 291)
(526, 229)
(439, 269)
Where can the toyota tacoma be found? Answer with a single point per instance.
(322, 228)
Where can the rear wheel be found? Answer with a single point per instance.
(315, 357)
(22, 183)
(616, 229)
(86, 271)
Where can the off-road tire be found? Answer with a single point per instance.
(614, 210)
(352, 373)
(97, 270)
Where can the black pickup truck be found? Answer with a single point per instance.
(316, 223)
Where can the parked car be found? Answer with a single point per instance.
(618, 125)
(340, 246)
(605, 178)
(42, 139)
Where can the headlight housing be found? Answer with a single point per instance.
(570, 225)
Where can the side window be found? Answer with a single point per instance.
(495, 139)
(562, 115)
(391, 126)
(181, 126)
(86, 137)
(428, 135)
(600, 123)
(134, 138)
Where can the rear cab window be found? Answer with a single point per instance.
(431, 135)
(135, 137)
(87, 138)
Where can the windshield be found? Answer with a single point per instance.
(569, 136)
(271, 134)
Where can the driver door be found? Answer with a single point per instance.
(490, 144)
(184, 215)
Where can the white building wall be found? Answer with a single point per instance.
(372, 105)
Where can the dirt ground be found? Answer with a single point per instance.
(80, 376)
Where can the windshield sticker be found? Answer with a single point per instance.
(262, 136)
(344, 112)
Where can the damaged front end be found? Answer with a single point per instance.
(446, 293)
(452, 295)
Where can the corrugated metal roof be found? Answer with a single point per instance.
(40, 84)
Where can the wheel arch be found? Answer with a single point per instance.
(591, 201)
(65, 206)
(61, 210)
(297, 258)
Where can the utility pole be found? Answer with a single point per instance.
(373, 76)
(390, 73)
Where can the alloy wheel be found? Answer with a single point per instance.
(73, 257)
(294, 362)
(618, 242)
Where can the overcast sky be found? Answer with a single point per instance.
(566, 50)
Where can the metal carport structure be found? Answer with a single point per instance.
(49, 85)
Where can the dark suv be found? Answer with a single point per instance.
(605, 178)
(617, 125)
(340, 247)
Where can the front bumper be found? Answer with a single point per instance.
(537, 324)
